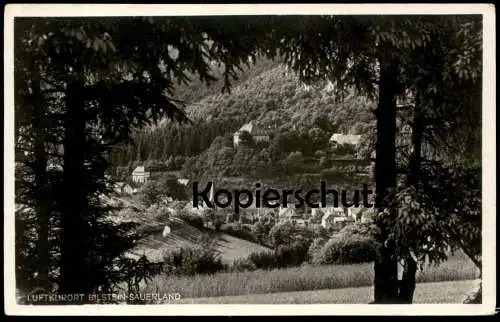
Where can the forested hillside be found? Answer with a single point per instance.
(299, 118)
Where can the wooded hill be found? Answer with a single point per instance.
(299, 118)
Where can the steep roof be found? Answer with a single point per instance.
(252, 128)
(139, 169)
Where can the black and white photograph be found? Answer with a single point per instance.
(249, 155)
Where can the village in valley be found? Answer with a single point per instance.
(330, 218)
(343, 159)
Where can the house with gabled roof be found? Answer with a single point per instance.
(140, 175)
(258, 133)
(340, 139)
(330, 213)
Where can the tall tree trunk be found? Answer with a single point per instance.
(408, 281)
(73, 251)
(43, 200)
(386, 270)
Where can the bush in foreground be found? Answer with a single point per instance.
(292, 255)
(263, 259)
(341, 249)
(283, 256)
(315, 247)
(242, 265)
(192, 260)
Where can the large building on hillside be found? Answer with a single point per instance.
(340, 139)
(140, 175)
(258, 133)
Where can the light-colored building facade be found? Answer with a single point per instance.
(258, 134)
(140, 175)
(340, 139)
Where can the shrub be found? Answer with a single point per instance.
(238, 230)
(192, 260)
(260, 231)
(150, 229)
(263, 259)
(282, 234)
(283, 256)
(154, 191)
(342, 249)
(158, 212)
(318, 231)
(191, 218)
(242, 265)
(291, 255)
(315, 247)
(363, 229)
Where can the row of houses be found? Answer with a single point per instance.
(331, 217)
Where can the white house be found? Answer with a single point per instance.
(361, 214)
(339, 138)
(336, 211)
(167, 230)
(341, 222)
(140, 175)
(258, 134)
(328, 219)
(183, 181)
(126, 188)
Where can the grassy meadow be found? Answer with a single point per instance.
(303, 278)
(436, 292)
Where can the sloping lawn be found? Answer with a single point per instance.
(229, 247)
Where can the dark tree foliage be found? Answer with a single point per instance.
(87, 84)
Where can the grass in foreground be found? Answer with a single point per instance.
(436, 292)
(302, 278)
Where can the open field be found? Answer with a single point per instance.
(436, 292)
(302, 278)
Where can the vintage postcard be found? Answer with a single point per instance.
(249, 159)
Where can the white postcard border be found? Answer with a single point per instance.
(488, 162)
